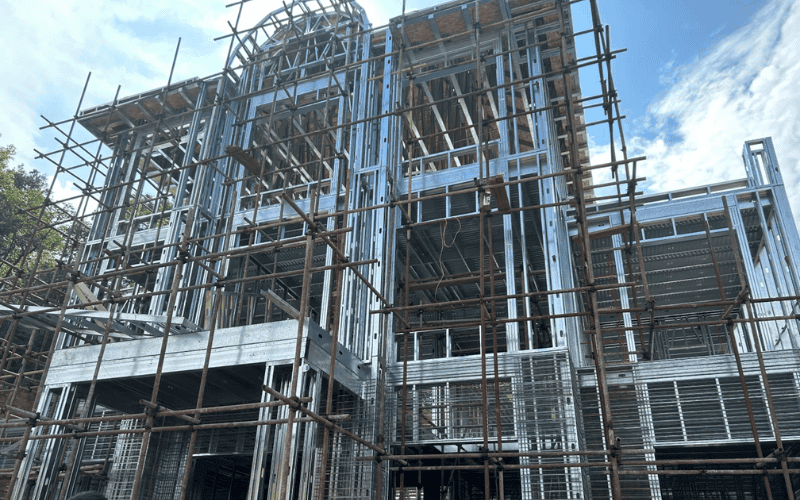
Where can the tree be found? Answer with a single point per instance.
(21, 195)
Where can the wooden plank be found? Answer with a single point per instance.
(282, 304)
(245, 159)
(498, 190)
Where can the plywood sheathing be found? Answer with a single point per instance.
(451, 24)
(551, 18)
(584, 154)
(418, 29)
(177, 102)
(418, 33)
(558, 83)
(555, 61)
(519, 7)
(107, 121)
(379, 38)
(154, 107)
(489, 13)
(133, 112)
(553, 39)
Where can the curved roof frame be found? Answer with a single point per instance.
(292, 15)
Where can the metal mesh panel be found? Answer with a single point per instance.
(349, 478)
(709, 410)
(537, 413)
(631, 426)
(678, 414)
(8, 452)
(546, 420)
(166, 459)
(126, 458)
(227, 441)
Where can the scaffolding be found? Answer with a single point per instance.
(370, 262)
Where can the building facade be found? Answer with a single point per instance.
(371, 263)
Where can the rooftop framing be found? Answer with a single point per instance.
(367, 258)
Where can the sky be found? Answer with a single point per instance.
(699, 77)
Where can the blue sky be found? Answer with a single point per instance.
(699, 77)
(661, 37)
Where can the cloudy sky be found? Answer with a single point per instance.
(698, 79)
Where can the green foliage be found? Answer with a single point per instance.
(148, 206)
(21, 195)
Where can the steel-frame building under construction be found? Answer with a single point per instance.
(371, 263)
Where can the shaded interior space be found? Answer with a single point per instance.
(262, 298)
(178, 391)
(292, 148)
(530, 264)
(441, 130)
(464, 484)
(722, 486)
(688, 260)
(219, 477)
(451, 412)
(627, 426)
(445, 269)
(24, 362)
(222, 455)
(444, 91)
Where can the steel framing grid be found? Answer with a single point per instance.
(370, 262)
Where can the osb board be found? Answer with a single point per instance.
(176, 101)
(193, 92)
(489, 14)
(115, 126)
(531, 6)
(378, 39)
(154, 107)
(97, 122)
(559, 84)
(115, 129)
(24, 399)
(418, 33)
(555, 62)
(553, 39)
(451, 24)
(551, 18)
(132, 112)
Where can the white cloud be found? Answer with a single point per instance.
(745, 88)
(65, 191)
(49, 47)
